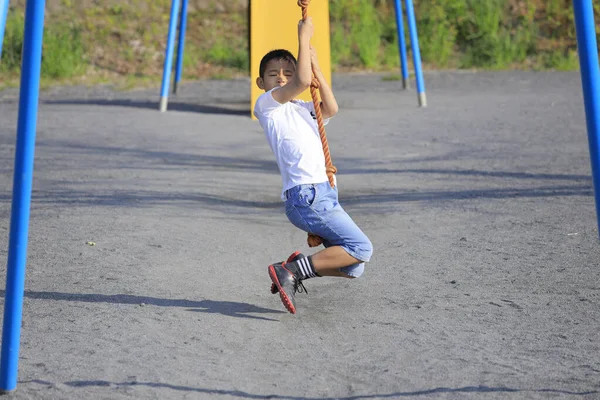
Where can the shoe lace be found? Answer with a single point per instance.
(299, 286)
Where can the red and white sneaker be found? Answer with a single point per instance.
(293, 257)
(287, 285)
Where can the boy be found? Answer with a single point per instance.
(311, 203)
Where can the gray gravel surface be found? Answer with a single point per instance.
(485, 281)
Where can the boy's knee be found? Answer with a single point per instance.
(361, 249)
(366, 251)
(353, 271)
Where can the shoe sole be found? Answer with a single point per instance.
(289, 260)
(284, 297)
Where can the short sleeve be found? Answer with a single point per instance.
(311, 109)
(266, 104)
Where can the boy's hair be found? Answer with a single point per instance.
(279, 54)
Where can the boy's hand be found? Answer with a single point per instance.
(314, 62)
(306, 29)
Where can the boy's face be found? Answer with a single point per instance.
(277, 73)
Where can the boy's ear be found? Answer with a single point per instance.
(260, 83)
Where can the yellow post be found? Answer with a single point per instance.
(274, 25)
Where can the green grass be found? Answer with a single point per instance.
(225, 54)
(437, 33)
(489, 34)
(13, 41)
(559, 61)
(63, 55)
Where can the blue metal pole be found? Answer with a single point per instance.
(401, 43)
(3, 16)
(181, 43)
(21, 197)
(414, 42)
(166, 80)
(590, 79)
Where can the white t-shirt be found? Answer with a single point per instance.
(293, 135)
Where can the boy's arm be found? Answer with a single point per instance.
(329, 105)
(303, 77)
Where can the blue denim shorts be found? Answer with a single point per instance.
(315, 209)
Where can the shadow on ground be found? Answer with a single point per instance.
(153, 105)
(156, 159)
(227, 308)
(245, 395)
(380, 201)
(490, 174)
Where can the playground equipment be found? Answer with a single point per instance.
(274, 27)
(21, 196)
(26, 133)
(401, 43)
(414, 43)
(590, 79)
(168, 66)
(416, 52)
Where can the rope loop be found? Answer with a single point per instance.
(303, 3)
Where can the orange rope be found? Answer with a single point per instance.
(314, 240)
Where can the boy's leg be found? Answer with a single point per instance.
(316, 209)
(347, 247)
(353, 270)
(332, 261)
(329, 261)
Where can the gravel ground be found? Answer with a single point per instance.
(485, 281)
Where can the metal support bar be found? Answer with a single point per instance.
(401, 43)
(590, 79)
(164, 91)
(180, 44)
(21, 197)
(414, 42)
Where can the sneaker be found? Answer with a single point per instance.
(287, 285)
(294, 257)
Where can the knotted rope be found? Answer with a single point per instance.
(330, 169)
